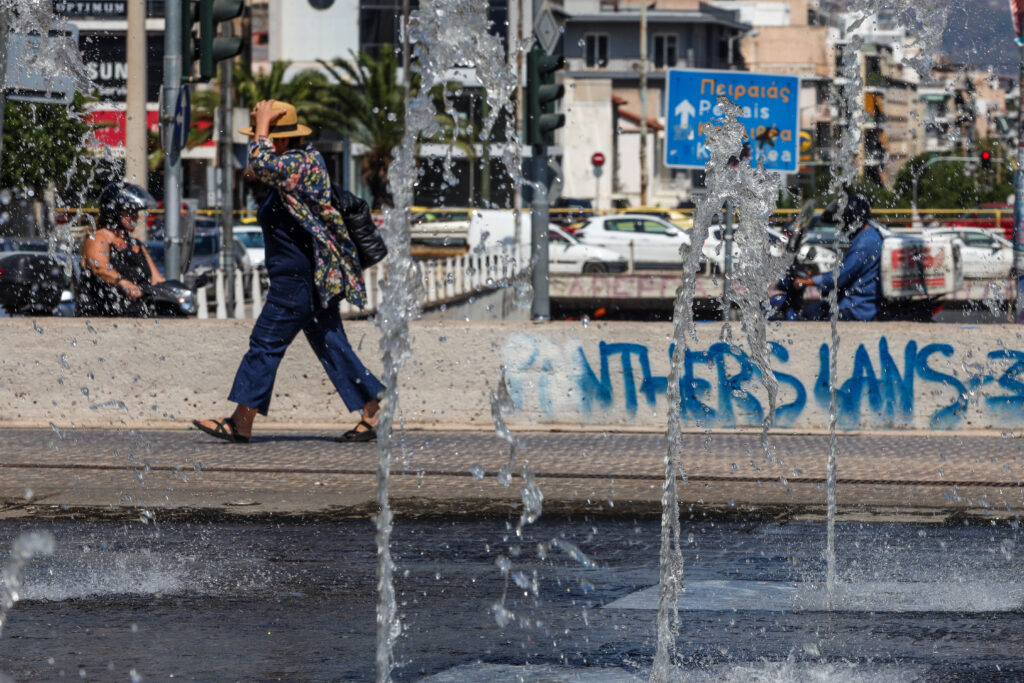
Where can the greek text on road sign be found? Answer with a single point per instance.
(770, 115)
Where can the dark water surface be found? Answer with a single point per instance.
(296, 602)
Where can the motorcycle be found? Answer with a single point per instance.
(171, 298)
(788, 303)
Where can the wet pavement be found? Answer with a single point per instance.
(180, 472)
(290, 601)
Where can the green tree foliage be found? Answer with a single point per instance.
(367, 104)
(304, 90)
(44, 144)
(941, 185)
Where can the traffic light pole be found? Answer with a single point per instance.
(172, 157)
(1018, 202)
(539, 210)
(541, 121)
(225, 153)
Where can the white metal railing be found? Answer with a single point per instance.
(444, 281)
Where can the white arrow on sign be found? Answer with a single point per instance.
(684, 110)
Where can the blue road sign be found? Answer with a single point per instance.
(771, 111)
(182, 117)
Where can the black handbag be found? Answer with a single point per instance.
(370, 247)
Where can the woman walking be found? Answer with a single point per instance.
(312, 263)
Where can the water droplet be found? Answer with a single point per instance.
(64, 361)
(35, 326)
(85, 391)
(585, 321)
(477, 472)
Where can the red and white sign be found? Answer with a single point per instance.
(110, 132)
(1017, 13)
(914, 265)
(598, 158)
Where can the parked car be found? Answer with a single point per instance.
(978, 219)
(439, 227)
(984, 254)
(682, 219)
(822, 234)
(202, 223)
(64, 253)
(251, 237)
(31, 282)
(567, 255)
(813, 258)
(205, 257)
(568, 210)
(651, 242)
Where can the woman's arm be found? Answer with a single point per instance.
(96, 257)
(281, 172)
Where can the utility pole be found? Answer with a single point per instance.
(643, 103)
(135, 165)
(1017, 11)
(540, 122)
(4, 41)
(172, 155)
(225, 152)
(1018, 197)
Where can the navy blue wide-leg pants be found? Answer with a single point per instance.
(276, 328)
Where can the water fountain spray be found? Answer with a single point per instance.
(926, 20)
(755, 192)
(447, 34)
(26, 547)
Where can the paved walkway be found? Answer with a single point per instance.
(101, 472)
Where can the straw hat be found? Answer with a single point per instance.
(287, 126)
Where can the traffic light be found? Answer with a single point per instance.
(541, 95)
(986, 160)
(189, 42)
(209, 47)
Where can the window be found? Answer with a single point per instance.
(380, 24)
(974, 239)
(653, 227)
(621, 225)
(666, 50)
(596, 49)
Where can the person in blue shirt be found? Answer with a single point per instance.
(859, 282)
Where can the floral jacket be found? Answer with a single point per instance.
(300, 177)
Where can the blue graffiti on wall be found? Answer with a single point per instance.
(716, 384)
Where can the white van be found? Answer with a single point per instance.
(920, 265)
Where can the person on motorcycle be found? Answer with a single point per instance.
(116, 268)
(859, 282)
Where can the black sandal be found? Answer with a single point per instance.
(356, 436)
(221, 433)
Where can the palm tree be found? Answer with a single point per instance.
(303, 90)
(366, 103)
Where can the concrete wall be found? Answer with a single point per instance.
(893, 376)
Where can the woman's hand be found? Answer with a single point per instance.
(130, 288)
(264, 115)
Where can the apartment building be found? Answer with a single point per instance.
(607, 103)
